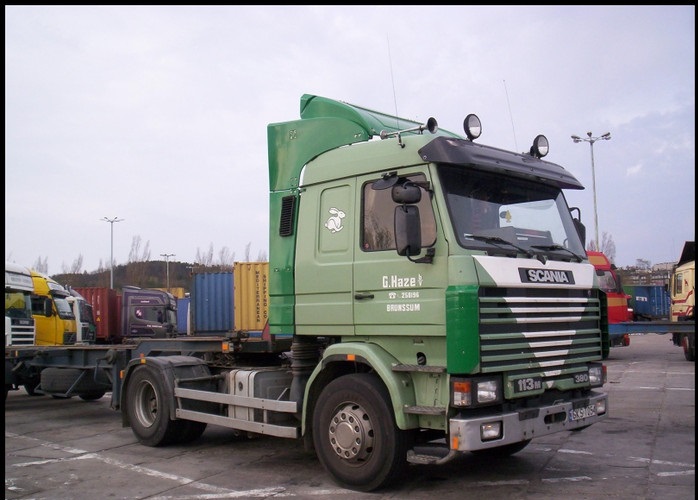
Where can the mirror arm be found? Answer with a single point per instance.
(427, 259)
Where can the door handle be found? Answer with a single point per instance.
(364, 295)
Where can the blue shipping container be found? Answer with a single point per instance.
(182, 315)
(212, 306)
(649, 302)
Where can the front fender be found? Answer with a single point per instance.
(399, 384)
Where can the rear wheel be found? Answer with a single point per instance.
(355, 435)
(148, 408)
(31, 386)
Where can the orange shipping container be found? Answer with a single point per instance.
(106, 305)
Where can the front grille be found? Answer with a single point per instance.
(552, 333)
(21, 334)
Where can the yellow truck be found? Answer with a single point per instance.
(682, 288)
(53, 316)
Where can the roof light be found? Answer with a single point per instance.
(472, 126)
(540, 147)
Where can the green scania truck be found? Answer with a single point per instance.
(426, 296)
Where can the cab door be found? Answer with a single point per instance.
(324, 257)
(392, 294)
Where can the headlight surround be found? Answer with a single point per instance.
(476, 391)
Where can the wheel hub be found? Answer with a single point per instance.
(351, 433)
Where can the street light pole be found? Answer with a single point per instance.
(111, 256)
(167, 267)
(591, 140)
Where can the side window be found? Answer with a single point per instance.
(678, 284)
(38, 305)
(378, 218)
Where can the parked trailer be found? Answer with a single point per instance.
(649, 302)
(426, 296)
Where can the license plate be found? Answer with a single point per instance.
(583, 412)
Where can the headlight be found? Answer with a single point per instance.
(597, 375)
(473, 392)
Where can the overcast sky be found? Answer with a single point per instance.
(157, 115)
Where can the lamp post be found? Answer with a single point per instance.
(167, 267)
(111, 256)
(591, 140)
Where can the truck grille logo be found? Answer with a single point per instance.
(546, 276)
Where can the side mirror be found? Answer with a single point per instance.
(408, 230)
(406, 193)
(48, 308)
(578, 226)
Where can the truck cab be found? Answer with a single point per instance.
(449, 273)
(84, 317)
(618, 306)
(148, 313)
(53, 316)
(19, 322)
(682, 288)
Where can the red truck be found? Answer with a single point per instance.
(618, 309)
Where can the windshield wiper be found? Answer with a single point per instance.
(558, 247)
(497, 241)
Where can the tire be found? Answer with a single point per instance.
(502, 451)
(355, 435)
(689, 351)
(148, 408)
(31, 386)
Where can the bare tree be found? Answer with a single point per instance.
(137, 270)
(608, 247)
(226, 259)
(75, 268)
(41, 265)
(135, 255)
(205, 259)
(262, 256)
(643, 264)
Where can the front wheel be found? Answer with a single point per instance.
(355, 435)
(148, 408)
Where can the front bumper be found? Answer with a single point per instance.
(522, 425)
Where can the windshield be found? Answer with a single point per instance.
(488, 211)
(18, 305)
(64, 310)
(86, 313)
